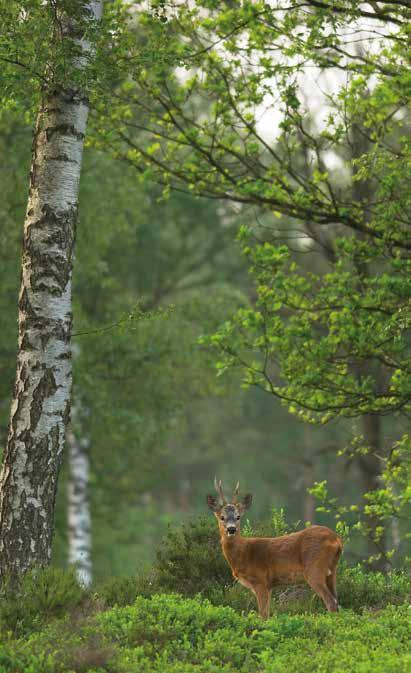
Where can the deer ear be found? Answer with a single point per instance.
(213, 503)
(247, 500)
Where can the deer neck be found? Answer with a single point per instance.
(231, 547)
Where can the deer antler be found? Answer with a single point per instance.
(236, 492)
(218, 487)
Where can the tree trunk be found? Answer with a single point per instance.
(308, 499)
(370, 466)
(40, 406)
(79, 519)
(308, 476)
(395, 533)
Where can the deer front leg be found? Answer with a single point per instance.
(263, 596)
(260, 591)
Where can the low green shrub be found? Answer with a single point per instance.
(119, 590)
(359, 588)
(189, 560)
(14, 660)
(43, 594)
(190, 635)
(124, 590)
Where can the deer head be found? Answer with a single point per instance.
(228, 514)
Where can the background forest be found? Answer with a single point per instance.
(155, 420)
(241, 308)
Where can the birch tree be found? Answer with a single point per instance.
(40, 408)
(78, 505)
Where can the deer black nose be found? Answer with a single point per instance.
(231, 530)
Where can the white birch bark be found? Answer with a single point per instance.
(78, 507)
(41, 399)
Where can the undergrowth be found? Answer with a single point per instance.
(186, 615)
(172, 634)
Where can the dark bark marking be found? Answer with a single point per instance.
(60, 231)
(53, 110)
(45, 388)
(26, 344)
(26, 307)
(63, 157)
(66, 414)
(64, 130)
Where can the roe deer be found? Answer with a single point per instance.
(260, 563)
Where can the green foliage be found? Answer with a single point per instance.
(40, 46)
(328, 338)
(380, 506)
(137, 371)
(124, 589)
(190, 560)
(180, 635)
(205, 126)
(330, 346)
(43, 595)
(359, 588)
(278, 522)
(318, 328)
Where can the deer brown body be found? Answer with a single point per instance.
(260, 563)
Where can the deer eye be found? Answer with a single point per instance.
(238, 517)
(222, 518)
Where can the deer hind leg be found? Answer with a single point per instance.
(320, 574)
(332, 576)
(332, 583)
(319, 585)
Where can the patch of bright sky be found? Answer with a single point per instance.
(317, 88)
